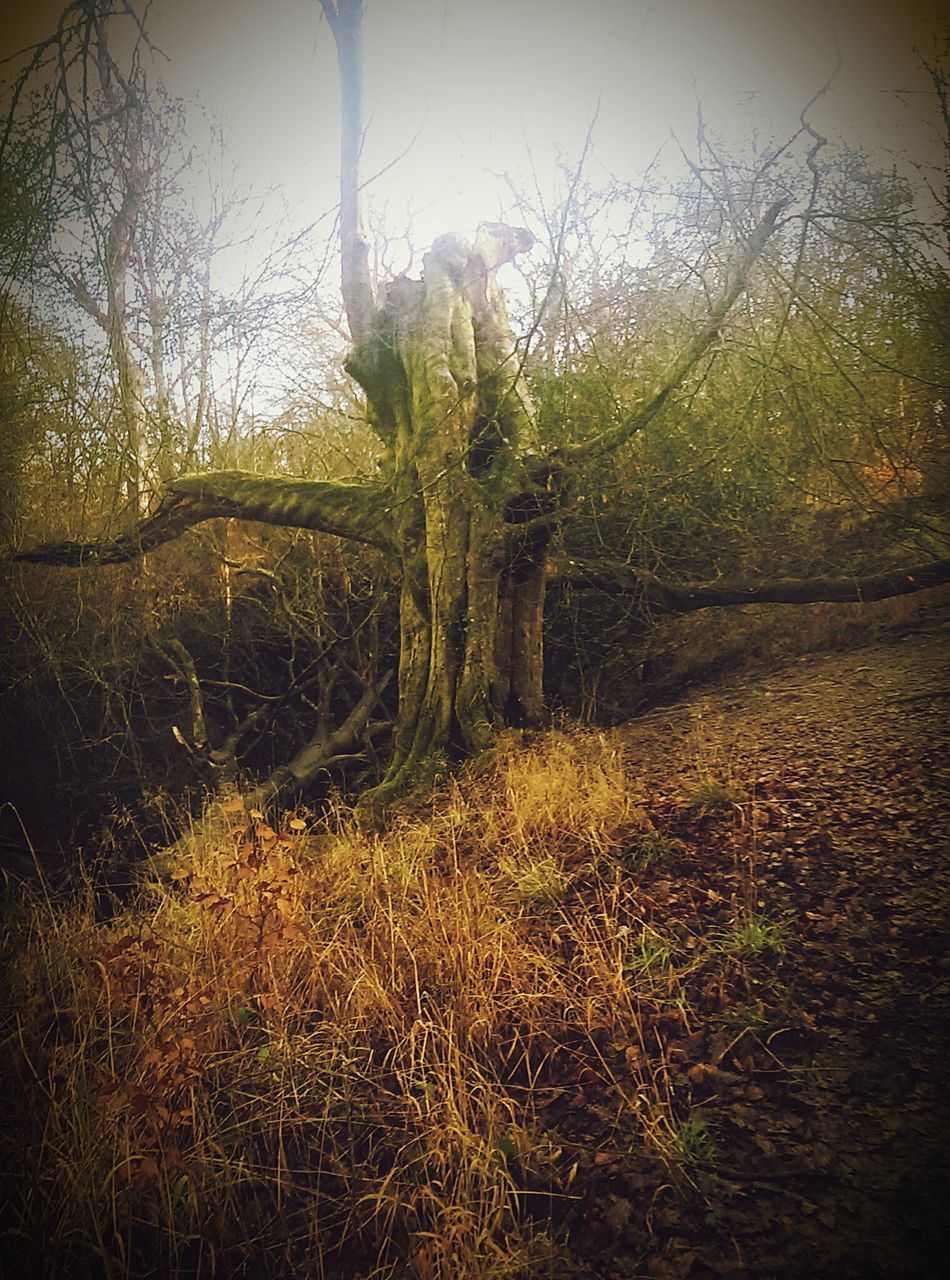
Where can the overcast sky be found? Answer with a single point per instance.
(474, 88)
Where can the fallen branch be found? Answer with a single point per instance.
(667, 597)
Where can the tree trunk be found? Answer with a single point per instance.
(473, 503)
(445, 394)
(466, 505)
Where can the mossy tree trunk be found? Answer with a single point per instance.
(466, 503)
(474, 504)
(473, 501)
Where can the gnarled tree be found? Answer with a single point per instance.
(467, 503)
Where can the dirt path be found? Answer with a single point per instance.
(819, 1069)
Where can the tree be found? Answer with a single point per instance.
(467, 503)
(97, 145)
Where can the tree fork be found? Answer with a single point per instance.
(470, 505)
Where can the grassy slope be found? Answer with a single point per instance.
(567, 1018)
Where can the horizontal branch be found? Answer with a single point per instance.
(667, 597)
(358, 512)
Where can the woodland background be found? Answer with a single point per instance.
(659, 990)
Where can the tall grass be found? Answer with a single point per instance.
(318, 1050)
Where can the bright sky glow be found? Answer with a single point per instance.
(470, 91)
(476, 90)
(459, 94)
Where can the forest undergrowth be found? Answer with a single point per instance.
(665, 1001)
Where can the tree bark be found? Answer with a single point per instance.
(469, 503)
(322, 753)
(668, 597)
(357, 512)
(345, 21)
(474, 503)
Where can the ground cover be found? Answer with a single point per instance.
(811, 1074)
(669, 1001)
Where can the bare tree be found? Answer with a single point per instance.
(467, 503)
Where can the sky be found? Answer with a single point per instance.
(465, 91)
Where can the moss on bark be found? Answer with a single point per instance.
(441, 372)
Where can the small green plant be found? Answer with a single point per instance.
(648, 953)
(648, 849)
(815, 1073)
(751, 937)
(539, 883)
(691, 1145)
(689, 1149)
(715, 787)
(747, 1018)
(694, 1150)
(712, 795)
(859, 930)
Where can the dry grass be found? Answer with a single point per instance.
(319, 1051)
(715, 773)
